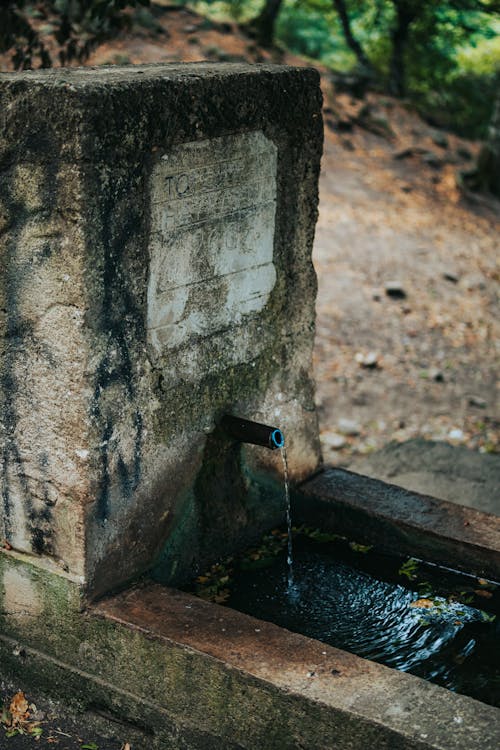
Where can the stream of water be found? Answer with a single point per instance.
(288, 521)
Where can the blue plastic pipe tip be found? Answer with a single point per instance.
(278, 439)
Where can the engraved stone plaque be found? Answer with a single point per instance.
(212, 236)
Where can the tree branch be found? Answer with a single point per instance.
(352, 42)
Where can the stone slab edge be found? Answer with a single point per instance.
(204, 676)
(400, 521)
(317, 696)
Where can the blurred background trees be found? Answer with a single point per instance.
(442, 56)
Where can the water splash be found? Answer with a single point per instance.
(289, 558)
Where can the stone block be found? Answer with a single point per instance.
(156, 226)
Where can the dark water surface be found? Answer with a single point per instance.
(360, 602)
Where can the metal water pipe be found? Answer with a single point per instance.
(255, 433)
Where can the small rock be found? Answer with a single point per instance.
(432, 160)
(406, 153)
(36, 714)
(440, 139)
(347, 144)
(478, 401)
(456, 434)
(369, 360)
(361, 399)
(344, 125)
(348, 427)
(474, 281)
(374, 122)
(436, 374)
(189, 28)
(333, 440)
(394, 289)
(464, 153)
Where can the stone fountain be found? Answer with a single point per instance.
(156, 227)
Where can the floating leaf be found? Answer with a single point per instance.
(486, 617)
(363, 548)
(424, 623)
(319, 536)
(423, 603)
(323, 537)
(409, 569)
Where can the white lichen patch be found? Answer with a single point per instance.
(21, 600)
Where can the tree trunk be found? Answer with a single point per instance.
(486, 175)
(399, 38)
(352, 42)
(264, 25)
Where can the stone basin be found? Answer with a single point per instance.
(200, 675)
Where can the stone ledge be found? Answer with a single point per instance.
(332, 698)
(397, 520)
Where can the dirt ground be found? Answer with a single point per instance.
(63, 726)
(408, 325)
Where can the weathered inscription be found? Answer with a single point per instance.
(212, 236)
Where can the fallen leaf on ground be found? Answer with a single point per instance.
(18, 709)
(15, 719)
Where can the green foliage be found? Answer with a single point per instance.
(306, 31)
(221, 10)
(463, 103)
(452, 52)
(409, 569)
